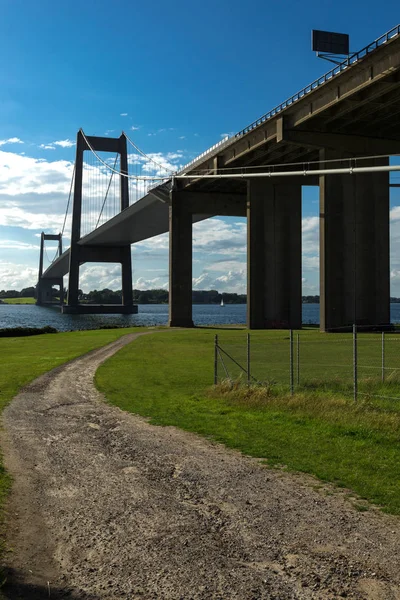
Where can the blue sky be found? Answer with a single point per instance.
(176, 77)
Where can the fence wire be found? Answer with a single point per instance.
(359, 364)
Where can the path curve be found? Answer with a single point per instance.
(106, 506)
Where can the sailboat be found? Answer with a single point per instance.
(222, 302)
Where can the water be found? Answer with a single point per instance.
(29, 315)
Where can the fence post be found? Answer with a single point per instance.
(216, 360)
(383, 356)
(248, 359)
(291, 361)
(355, 361)
(298, 358)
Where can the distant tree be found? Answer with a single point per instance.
(28, 292)
(105, 296)
(9, 294)
(310, 299)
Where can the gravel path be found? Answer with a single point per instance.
(106, 506)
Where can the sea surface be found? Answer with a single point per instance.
(29, 315)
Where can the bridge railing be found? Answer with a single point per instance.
(348, 62)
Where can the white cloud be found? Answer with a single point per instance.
(22, 175)
(233, 281)
(217, 236)
(13, 140)
(64, 143)
(225, 266)
(182, 137)
(47, 147)
(100, 276)
(147, 284)
(15, 276)
(14, 216)
(134, 128)
(395, 213)
(17, 245)
(123, 114)
(310, 241)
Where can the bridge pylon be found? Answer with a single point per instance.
(44, 287)
(79, 253)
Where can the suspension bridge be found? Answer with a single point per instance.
(337, 133)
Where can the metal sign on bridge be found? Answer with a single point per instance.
(329, 42)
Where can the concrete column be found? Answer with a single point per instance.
(274, 255)
(126, 263)
(180, 263)
(354, 248)
(41, 256)
(124, 188)
(73, 279)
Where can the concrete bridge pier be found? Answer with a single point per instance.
(354, 247)
(274, 255)
(44, 291)
(180, 261)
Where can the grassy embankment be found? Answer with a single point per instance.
(18, 300)
(354, 445)
(22, 359)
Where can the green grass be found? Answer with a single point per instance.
(168, 378)
(18, 300)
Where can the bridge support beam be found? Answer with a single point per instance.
(274, 255)
(180, 262)
(354, 248)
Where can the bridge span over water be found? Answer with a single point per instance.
(347, 119)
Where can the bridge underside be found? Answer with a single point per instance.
(355, 114)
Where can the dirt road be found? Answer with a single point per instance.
(106, 506)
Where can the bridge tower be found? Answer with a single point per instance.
(44, 286)
(79, 253)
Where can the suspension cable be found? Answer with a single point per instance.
(69, 199)
(142, 177)
(294, 164)
(145, 155)
(270, 173)
(108, 189)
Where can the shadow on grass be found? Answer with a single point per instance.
(16, 589)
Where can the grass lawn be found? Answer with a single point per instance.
(169, 378)
(18, 300)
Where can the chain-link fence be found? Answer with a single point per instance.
(358, 363)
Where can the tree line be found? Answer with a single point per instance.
(160, 296)
(28, 292)
(157, 296)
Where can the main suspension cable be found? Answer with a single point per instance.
(141, 177)
(147, 157)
